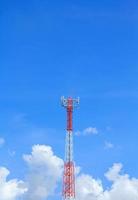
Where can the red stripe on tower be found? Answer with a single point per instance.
(69, 114)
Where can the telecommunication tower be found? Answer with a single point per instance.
(69, 167)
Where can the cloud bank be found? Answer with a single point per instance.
(123, 187)
(45, 170)
(45, 173)
(12, 189)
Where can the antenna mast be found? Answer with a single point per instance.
(69, 167)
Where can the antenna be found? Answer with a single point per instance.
(69, 167)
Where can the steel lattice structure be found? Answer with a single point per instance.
(69, 168)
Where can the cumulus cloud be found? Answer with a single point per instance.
(12, 189)
(114, 172)
(123, 187)
(45, 170)
(87, 188)
(87, 131)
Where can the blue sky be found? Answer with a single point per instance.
(71, 48)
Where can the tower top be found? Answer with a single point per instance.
(69, 102)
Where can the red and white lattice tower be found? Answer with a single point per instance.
(69, 168)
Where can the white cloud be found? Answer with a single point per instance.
(45, 170)
(87, 188)
(88, 131)
(123, 187)
(2, 141)
(113, 172)
(108, 145)
(12, 189)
